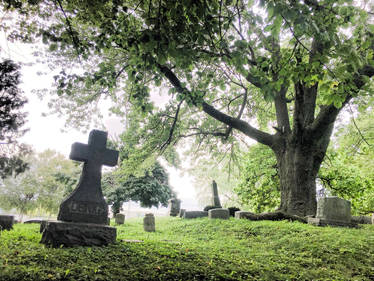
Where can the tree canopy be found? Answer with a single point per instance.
(291, 65)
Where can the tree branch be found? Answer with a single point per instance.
(240, 125)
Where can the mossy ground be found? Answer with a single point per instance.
(199, 249)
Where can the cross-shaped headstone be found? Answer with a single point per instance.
(86, 203)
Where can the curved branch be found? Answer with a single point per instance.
(240, 125)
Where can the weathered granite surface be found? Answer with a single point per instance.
(333, 211)
(362, 219)
(70, 234)
(119, 219)
(174, 207)
(195, 214)
(86, 203)
(242, 214)
(6, 222)
(215, 198)
(149, 223)
(219, 214)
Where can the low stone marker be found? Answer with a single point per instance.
(174, 207)
(333, 211)
(6, 222)
(149, 223)
(195, 214)
(219, 214)
(181, 213)
(83, 215)
(119, 218)
(242, 214)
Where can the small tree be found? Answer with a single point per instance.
(150, 190)
(42, 186)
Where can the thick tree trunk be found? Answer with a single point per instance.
(297, 174)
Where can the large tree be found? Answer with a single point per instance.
(12, 119)
(224, 62)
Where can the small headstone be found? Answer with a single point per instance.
(242, 214)
(372, 218)
(215, 198)
(149, 223)
(195, 214)
(119, 219)
(6, 222)
(83, 216)
(219, 214)
(181, 213)
(174, 207)
(333, 211)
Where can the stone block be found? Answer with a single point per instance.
(71, 234)
(362, 219)
(195, 214)
(6, 222)
(33, 221)
(174, 207)
(181, 213)
(220, 213)
(149, 223)
(242, 214)
(119, 219)
(333, 211)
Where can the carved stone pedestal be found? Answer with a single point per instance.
(71, 234)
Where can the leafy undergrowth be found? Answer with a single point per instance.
(199, 249)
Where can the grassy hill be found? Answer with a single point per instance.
(199, 249)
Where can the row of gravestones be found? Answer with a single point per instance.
(332, 211)
(83, 216)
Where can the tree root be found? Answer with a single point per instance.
(274, 216)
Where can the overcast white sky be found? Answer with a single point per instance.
(46, 132)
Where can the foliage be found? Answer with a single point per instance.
(258, 189)
(292, 65)
(347, 172)
(151, 189)
(43, 186)
(11, 120)
(199, 249)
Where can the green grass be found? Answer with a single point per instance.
(199, 249)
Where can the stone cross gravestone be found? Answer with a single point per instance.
(215, 198)
(83, 216)
(333, 211)
(86, 203)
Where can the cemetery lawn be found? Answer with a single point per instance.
(197, 249)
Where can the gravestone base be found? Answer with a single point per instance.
(72, 234)
(242, 214)
(6, 222)
(219, 214)
(325, 222)
(194, 214)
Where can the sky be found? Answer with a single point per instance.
(45, 132)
